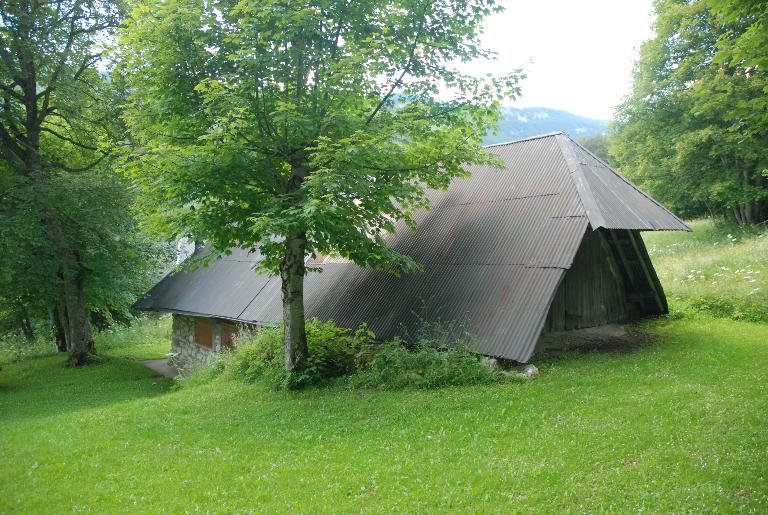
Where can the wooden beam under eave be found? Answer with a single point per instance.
(613, 266)
(649, 272)
(623, 256)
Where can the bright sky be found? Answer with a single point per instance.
(578, 54)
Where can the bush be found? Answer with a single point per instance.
(438, 354)
(333, 352)
(394, 366)
(727, 307)
(14, 346)
(435, 358)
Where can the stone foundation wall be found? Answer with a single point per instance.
(186, 353)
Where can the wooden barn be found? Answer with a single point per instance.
(549, 244)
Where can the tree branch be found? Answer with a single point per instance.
(12, 92)
(68, 139)
(11, 149)
(70, 169)
(406, 69)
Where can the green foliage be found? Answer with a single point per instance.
(310, 118)
(693, 131)
(27, 258)
(718, 270)
(259, 355)
(70, 248)
(395, 366)
(677, 424)
(118, 262)
(431, 360)
(746, 40)
(599, 145)
(436, 355)
(303, 127)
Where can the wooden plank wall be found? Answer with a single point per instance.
(591, 294)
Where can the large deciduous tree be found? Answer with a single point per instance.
(694, 130)
(68, 243)
(304, 126)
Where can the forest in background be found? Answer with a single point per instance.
(694, 130)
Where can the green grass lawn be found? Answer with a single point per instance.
(150, 338)
(676, 424)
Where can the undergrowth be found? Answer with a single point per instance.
(719, 270)
(353, 358)
(145, 337)
(16, 347)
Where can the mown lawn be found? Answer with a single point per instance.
(676, 424)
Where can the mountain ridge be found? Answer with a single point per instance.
(525, 122)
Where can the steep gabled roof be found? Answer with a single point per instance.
(610, 199)
(494, 246)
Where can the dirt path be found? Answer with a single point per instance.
(161, 366)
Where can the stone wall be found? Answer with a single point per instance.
(186, 353)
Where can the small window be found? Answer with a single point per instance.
(228, 333)
(204, 333)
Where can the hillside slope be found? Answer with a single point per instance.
(518, 123)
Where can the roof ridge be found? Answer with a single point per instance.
(623, 178)
(530, 138)
(583, 191)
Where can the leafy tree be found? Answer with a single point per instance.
(117, 262)
(693, 131)
(598, 145)
(745, 38)
(68, 244)
(303, 126)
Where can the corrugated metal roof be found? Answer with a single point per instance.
(494, 246)
(223, 289)
(609, 198)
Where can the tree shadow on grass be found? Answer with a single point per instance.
(43, 386)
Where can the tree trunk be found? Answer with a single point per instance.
(72, 308)
(26, 327)
(80, 343)
(57, 328)
(746, 208)
(737, 214)
(292, 274)
(761, 206)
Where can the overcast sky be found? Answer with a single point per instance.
(578, 54)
